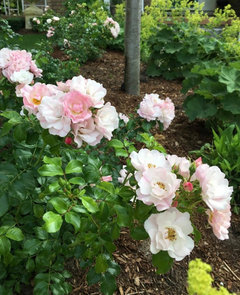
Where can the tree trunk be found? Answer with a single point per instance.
(132, 46)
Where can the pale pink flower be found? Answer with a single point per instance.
(107, 120)
(167, 113)
(35, 70)
(216, 192)
(86, 131)
(188, 186)
(114, 26)
(32, 96)
(169, 231)
(123, 175)
(56, 18)
(38, 21)
(198, 162)
(150, 107)
(158, 186)
(106, 178)
(77, 106)
(22, 77)
(145, 159)
(181, 164)
(51, 115)
(5, 55)
(123, 117)
(64, 86)
(220, 222)
(49, 20)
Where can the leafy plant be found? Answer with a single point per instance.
(224, 152)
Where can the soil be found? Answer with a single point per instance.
(137, 273)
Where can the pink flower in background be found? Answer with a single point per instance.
(181, 164)
(123, 117)
(216, 192)
(107, 120)
(51, 115)
(167, 113)
(50, 32)
(35, 70)
(114, 26)
(76, 106)
(5, 55)
(188, 186)
(106, 178)
(220, 222)
(169, 231)
(158, 186)
(150, 107)
(86, 131)
(64, 86)
(38, 21)
(123, 174)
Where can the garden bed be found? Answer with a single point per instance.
(137, 274)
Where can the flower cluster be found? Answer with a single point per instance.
(76, 105)
(17, 66)
(50, 32)
(153, 108)
(162, 181)
(113, 25)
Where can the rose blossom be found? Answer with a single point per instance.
(215, 190)
(188, 186)
(107, 120)
(56, 18)
(158, 186)
(4, 57)
(32, 95)
(51, 115)
(86, 131)
(220, 222)
(150, 107)
(49, 21)
(35, 70)
(198, 162)
(167, 112)
(146, 159)
(169, 231)
(22, 77)
(106, 178)
(123, 117)
(76, 106)
(181, 164)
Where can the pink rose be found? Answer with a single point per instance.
(198, 162)
(124, 118)
(167, 113)
(169, 231)
(158, 186)
(188, 186)
(76, 106)
(150, 107)
(5, 54)
(106, 178)
(181, 164)
(86, 131)
(216, 192)
(220, 222)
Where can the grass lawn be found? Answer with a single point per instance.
(29, 41)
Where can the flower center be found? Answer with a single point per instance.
(151, 165)
(36, 101)
(171, 234)
(161, 185)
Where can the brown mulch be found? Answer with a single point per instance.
(137, 273)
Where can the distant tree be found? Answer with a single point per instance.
(132, 46)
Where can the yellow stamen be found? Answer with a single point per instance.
(151, 166)
(171, 235)
(36, 101)
(161, 185)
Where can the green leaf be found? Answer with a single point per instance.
(108, 285)
(49, 138)
(12, 115)
(77, 180)
(123, 217)
(53, 222)
(74, 166)
(139, 233)
(59, 205)
(89, 204)
(121, 153)
(116, 143)
(101, 264)
(196, 106)
(30, 265)
(4, 204)
(15, 234)
(197, 234)
(231, 103)
(107, 186)
(162, 261)
(91, 174)
(230, 77)
(5, 246)
(50, 170)
(19, 133)
(74, 219)
(93, 277)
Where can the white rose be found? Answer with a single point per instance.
(107, 120)
(49, 21)
(22, 77)
(4, 57)
(56, 18)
